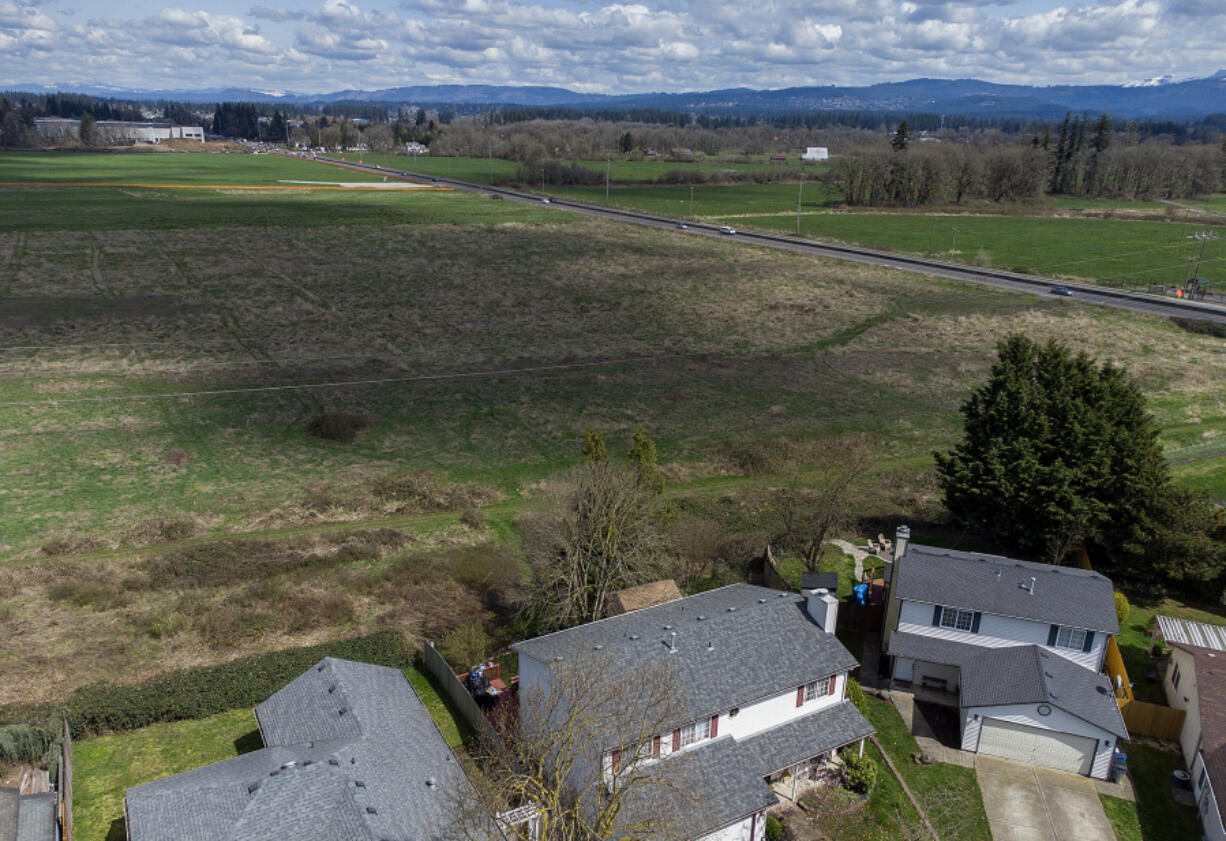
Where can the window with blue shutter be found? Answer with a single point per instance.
(1051, 635)
(936, 616)
(1089, 643)
(975, 622)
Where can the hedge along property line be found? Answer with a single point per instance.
(207, 690)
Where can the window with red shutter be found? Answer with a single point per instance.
(714, 726)
(617, 760)
(800, 696)
(833, 679)
(677, 739)
(655, 746)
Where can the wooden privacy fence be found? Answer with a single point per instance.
(458, 695)
(65, 784)
(1153, 720)
(1113, 663)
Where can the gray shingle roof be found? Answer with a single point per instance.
(993, 584)
(761, 641)
(36, 820)
(724, 781)
(932, 649)
(320, 771)
(8, 814)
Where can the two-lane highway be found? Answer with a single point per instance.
(1098, 295)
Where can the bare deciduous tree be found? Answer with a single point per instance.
(600, 530)
(580, 758)
(815, 502)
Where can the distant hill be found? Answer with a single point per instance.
(1188, 99)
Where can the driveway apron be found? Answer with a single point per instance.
(1028, 803)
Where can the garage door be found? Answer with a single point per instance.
(1062, 751)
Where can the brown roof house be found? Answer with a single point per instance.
(1195, 682)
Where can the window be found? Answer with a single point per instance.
(817, 689)
(1175, 677)
(1074, 638)
(696, 732)
(960, 620)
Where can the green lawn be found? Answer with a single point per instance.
(1134, 639)
(104, 768)
(1155, 816)
(712, 202)
(949, 794)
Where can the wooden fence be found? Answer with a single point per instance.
(1153, 720)
(456, 693)
(1113, 664)
(64, 786)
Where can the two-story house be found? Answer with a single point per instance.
(761, 683)
(1020, 647)
(1195, 682)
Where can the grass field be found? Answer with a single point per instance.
(165, 355)
(167, 168)
(1155, 816)
(479, 170)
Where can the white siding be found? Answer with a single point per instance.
(950, 674)
(997, 632)
(1058, 720)
(749, 829)
(1206, 804)
(1184, 698)
(775, 710)
(904, 669)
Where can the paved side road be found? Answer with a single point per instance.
(1028, 803)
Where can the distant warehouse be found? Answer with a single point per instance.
(58, 129)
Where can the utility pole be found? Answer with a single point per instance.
(932, 232)
(608, 165)
(691, 201)
(953, 246)
(491, 161)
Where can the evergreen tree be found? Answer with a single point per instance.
(1057, 450)
(902, 136)
(642, 456)
(90, 135)
(594, 448)
(627, 142)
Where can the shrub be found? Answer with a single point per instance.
(1197, 325)
(473, 518)
(339, 426)
(27, 743)
(1122, 608)
(774, 828)
(314, 607)
(163, 530)
(165, 625)
(69, 545)
(855, 694)
(207, 690)
(95, 591)
(859, 773)
(467, 645)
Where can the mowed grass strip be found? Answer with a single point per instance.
(949, 794)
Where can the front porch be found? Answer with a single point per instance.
(792, 783)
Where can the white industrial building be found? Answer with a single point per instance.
(117, 131)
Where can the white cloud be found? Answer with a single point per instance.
(610, 45)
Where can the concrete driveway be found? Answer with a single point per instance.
(1028, 803)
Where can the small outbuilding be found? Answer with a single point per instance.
(644, 595)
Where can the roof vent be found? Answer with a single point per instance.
(308, 762)
(334, 761)
(289, 764)
(732, 609)
(557, 658)
(634, 636)
(701, 617)
(360, 783)
(320, 667)
(672, 643)
(431, 782)
(761, 601)
(668, 627)
(251, 788)
(342, 710)
(710, 646)
(331, 689)
(599, 646)
(273, 773)
(371, 810)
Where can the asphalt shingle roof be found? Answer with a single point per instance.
(323, 776)
(8, 814)
(1019, 674)
(36, 817)
(724, 781)
(734, 645)
(994, 584)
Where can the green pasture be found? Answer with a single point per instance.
(168, 168)
(712, 202)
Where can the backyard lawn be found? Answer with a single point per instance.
(1134, 640)
(948, 794)
(107, 766)
(1155, 816)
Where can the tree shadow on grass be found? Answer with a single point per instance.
(248, 742)
(118, 830)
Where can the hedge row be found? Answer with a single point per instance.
(207, 690)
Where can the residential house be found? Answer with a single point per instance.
(350, 753)
(1195, 681)
(1018, 645)
(761, 697)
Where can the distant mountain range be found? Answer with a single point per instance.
(1158, 97)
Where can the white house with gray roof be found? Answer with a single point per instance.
(1020, 645)
(350, 753)
(764, 681)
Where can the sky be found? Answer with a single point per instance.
(600, 46)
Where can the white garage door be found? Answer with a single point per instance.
(1062, 751)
